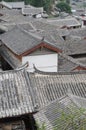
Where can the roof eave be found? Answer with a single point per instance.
(41, 44)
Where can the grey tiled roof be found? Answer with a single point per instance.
(51, 115)
(51, 37)
(9, 57)
(16, 4)
(51, 86)
(43, 25)
(15, 93)
(68, 64)
(82, 60)
(27, 26)
(79, 32)
(32, 11)
(3, 28)
(75, 46)
(7, 12)
(65, 64)
(48, 31)
(79, 101)
(64, 22)
(21, 93)
(4, 4)
(19, 41)
(63, 32)
(13, 17)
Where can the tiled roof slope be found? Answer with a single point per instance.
(80, 32)
(43, 25)
(50, 37)
(79, 101)
(82, 60)
(75, 46)
(51, 115)
(64, 22)
(51, 86)
(15, 94)
(48, 32)
(27, 26)
(19, 41)
(17, 5)
(21, 93)
(9, 57)
(13, 17)
(63, 32)
(32, 11)
(67, 63)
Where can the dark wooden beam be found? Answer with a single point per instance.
(41, 45)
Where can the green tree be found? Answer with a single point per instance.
(43, 127)
(46, 4)
(74, 119)
(63, 6)
(36, 3)
(68, 1)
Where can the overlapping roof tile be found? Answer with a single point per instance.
(51, 86)
(15, 93)
(53, 116)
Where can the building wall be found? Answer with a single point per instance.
(47, 62)
(43, 58)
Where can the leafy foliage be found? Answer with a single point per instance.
(43, 127)
(75, 119)
(67, 1)
(63, 6)
(46, 4)
(72, 119)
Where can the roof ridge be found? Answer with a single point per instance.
(29, 33)
(59, 101)
(22, 68)
(72, 60)
(24, 31)
(37, 71)
(32, 26)
(16, 26)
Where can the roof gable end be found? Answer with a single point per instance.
(42, 45)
